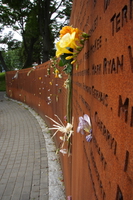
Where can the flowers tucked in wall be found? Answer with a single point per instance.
(66, 84)
(69, 46)
(16, 75)
(85, 126)
(55, 68)
(49, 100)
(66, 134)
(71, 42)
(32, 69)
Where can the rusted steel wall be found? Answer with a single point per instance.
(103, 89)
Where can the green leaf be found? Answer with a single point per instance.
(68, 68)
(63, 60)
(61, 63)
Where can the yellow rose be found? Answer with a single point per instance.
(68, 40)
(70, 29)
(61, 50)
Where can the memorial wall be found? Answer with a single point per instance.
(102, 88)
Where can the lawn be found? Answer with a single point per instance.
(2, 82)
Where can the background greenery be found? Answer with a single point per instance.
(38, 22)
(2, 82)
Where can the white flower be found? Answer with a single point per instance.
(61, 127)
(84, 124)
(66, 130)
(16, 75)
(89, 138)
(63, 151)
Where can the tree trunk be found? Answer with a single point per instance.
(44, 22)
(29, 51)
(3, 62)
(0, 68)
(28, 62)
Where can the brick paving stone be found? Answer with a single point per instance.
(23, 157)
(6, 198)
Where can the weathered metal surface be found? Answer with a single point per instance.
(102, 88)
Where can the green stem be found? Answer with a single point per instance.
(69, 98)
(69, 108)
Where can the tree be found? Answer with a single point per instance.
(13, 59)
(37, 25)
(7, 42)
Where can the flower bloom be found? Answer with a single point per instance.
(73, 61)
(56, 73)
(71, 42)
(60, 76)
(16, 75)
(68, 47)
(65, 43)
(66, 83)
(68, 40)
(70, 29)
(61, 50)
(61, 127)
(85, 125)
(89, 137)
(64, 151)
(65, 130)
(69, 57)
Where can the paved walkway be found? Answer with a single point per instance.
(23, 158)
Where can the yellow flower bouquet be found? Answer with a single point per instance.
(68, 47)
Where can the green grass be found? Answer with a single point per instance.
(2, 82)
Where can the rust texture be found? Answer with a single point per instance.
(102, 88)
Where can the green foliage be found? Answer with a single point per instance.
(2, 82)
(13, 59)
(39, 22)
(68, 68)
(65, 63)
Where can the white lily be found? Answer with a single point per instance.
(66, 130)
(61, 127)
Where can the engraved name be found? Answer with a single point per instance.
(94, 26)
(99, 152)
(85, 103)
(118, 20)
(130, 57)
(90, 173)
(97, 44)
(109, 66)
(111, 141)
(100, 96)
(106, 4)
(82, 73)
(97, 175)
(113, 65)
(123, 111)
